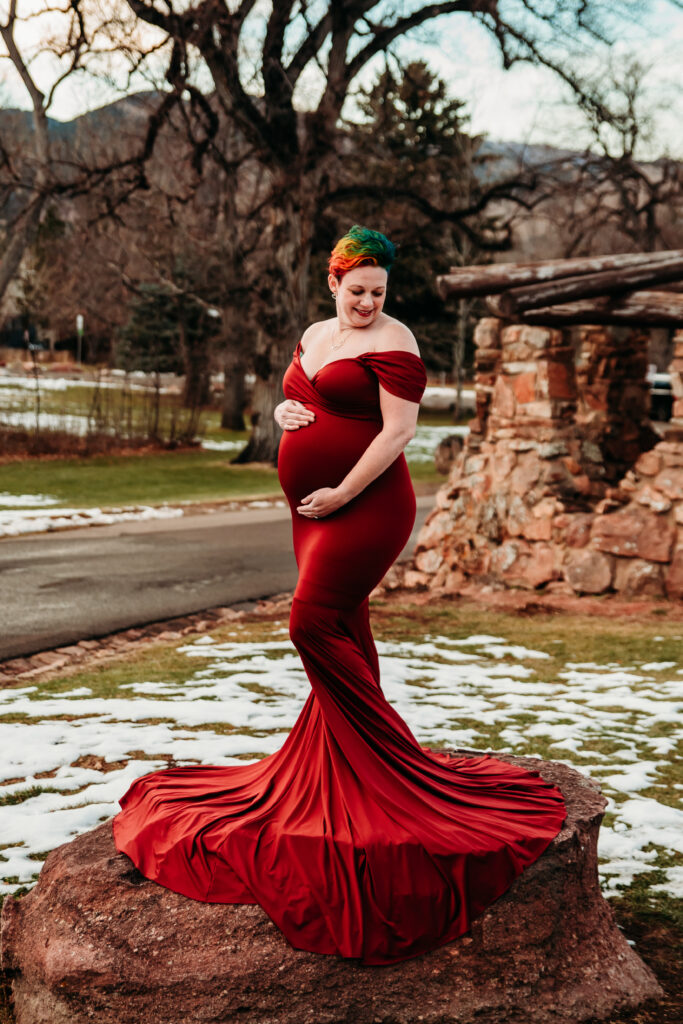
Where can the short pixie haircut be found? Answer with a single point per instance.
(361, 247)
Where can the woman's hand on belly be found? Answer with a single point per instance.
(322, 502)
(290, 414)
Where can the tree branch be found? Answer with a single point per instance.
(311, 45)
(436, 214)
(386, 34)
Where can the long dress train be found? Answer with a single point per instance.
(353, 838)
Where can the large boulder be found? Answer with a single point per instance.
(95, 941)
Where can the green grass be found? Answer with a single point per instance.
(160, 662)
(20, 795)
(157, 478)
(140, 479)
(563, 637)
(425, 473)
(110, 481)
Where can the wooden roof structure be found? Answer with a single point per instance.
(636, 289)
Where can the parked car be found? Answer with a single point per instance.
(661, 395)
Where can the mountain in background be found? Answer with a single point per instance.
(130, 113)
(541, 232)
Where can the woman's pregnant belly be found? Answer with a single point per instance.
(322, 453)
(342, 556)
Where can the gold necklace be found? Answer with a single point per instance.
(341, 341)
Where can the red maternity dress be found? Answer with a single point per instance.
(353, 838)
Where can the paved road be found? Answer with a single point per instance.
(57, 589)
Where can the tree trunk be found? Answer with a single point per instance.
(491, 280)
(265, 435)
(280, 309)
(607, 282)
(638, 309)
(22, 237)
(235, 392)
(24, 230)
(196, 392)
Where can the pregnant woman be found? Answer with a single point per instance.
(354, 839)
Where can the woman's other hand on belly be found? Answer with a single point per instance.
(290, 415)
(322, 502)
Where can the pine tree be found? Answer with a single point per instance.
(410, 167)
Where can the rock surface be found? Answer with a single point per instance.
(94, 940)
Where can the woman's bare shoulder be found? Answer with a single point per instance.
(395, 336)
(315, 331)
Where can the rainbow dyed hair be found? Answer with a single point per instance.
(361, 247)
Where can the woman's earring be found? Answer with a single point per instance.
(334, 295)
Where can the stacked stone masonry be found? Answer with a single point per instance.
(562, 484)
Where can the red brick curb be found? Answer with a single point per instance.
(63, 660)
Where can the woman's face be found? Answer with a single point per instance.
(360, 295)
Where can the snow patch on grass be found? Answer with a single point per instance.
(24, 520)
(25, 501)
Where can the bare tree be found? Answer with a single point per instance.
(610, 198)
(297, 149)
(258, 57)
(30, 179)
(34, 167)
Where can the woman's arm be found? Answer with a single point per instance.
(400, 421)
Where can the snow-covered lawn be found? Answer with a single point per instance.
(422, 446)
(69, 754)
(72, 423)
(16, 520)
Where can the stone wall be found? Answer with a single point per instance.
(562, 483)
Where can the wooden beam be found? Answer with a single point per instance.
(607, 282)
(492, 279)
(637, 309)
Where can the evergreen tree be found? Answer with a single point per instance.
(149, 340)
(170, 331)
(410, 165)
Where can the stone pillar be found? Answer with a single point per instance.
(524, 466)
(644, 538)
(535, 392)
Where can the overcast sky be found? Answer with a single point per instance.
(528, 103)
(525, 104)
